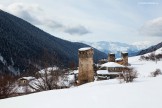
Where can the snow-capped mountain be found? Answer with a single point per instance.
(117, 47)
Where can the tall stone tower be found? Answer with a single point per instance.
(111, 57)
(125, 58)
(86, 73)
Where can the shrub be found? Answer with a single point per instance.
(156, 72)
(128, 75)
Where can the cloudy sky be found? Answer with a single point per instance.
(128, 21)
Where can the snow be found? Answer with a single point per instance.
(144, 92)
(76, 71)
(48, 70)
(103, 72)
(28, 78)
(118, 59)
(2, 59)
(106, 72)
(117, 47)
(85, 48)
(111, 64)
(158, 51)
(13, 70)
(111, 53)
(144, 68)
(124, 52)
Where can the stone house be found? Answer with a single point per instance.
(24, 81)
(113, 68)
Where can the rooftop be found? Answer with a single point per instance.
(111, 64)
(106, 72)
(118, 59)
(85, 48)
(28, 78)
(124, 52)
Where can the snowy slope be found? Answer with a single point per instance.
(144, 92)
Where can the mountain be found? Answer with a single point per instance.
(117, 47)
(24, 47)
(150, 49)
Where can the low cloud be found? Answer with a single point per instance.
(23, 11)
(152, 27)
(34, 14)
(78, 30)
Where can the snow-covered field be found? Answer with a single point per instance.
(144, 92)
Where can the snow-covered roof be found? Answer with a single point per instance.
(48, 70)
(124, 52)
(111, 53)
(85, 48)
(111, 64)
(117, 59)
(76, 71)
(28, 78)
(103, 72)
(106, 72)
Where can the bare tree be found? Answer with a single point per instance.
(48, 79)
(7, 83)
(128, 75)
(51, 76)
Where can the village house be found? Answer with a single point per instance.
(24, 81)
(114, 67)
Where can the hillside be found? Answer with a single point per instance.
(150, 49)
(144, 92)
(23, 47)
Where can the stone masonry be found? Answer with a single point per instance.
(86, 73)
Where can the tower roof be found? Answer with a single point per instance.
(85, 48)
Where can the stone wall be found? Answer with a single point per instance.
(111, 57)
(125, 58)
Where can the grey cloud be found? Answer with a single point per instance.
(53, 24)
(33, 14)
(152, 28)
(79, 30)
(24, 12)
(28, 17)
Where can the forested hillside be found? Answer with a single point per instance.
(24, 47)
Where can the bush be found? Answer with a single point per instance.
(152, 57)
(156, 72)
(128, 75)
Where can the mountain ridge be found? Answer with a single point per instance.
(23, 45)
(117, 47)
(150, 49)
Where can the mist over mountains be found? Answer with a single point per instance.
(118, 47)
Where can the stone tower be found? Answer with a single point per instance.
(86, 73)
(111, 57)
(125, 58)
